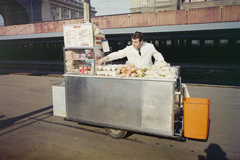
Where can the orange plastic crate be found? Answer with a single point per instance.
(196, 118)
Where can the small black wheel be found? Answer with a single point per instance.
(115, 133)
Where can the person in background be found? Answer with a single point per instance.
(139, 53)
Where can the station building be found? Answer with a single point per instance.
(168, 5)
(13, 12)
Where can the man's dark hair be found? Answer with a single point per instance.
(137, 35)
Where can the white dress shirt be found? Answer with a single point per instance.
(145, 60)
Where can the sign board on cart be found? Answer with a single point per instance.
(78, 35)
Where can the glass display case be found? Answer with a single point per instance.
(79, 60)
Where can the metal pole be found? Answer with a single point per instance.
(87, 13)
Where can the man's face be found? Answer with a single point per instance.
(136, 43)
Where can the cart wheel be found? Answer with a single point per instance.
(115, 133)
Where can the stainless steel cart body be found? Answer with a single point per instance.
(131, 104)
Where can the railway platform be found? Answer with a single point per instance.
(29, 130)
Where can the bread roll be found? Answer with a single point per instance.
(128, 72)
(134, 75)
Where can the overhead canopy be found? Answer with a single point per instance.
(170, 28)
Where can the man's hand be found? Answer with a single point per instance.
(103, 60)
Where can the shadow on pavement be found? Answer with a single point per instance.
(12, 121)
(36, 116)
(2, 116)
(214, 152)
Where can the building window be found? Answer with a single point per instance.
(54, 13)
(145, 3)
(73, 14)
(64, 14)
(161, 0)
(80, 15)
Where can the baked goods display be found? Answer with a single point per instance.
(160, 70)
(81, 62)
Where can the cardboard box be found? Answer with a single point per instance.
(98, 40)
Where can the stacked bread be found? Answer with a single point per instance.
(161, 70)
(127, 70)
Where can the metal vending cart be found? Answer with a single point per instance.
(120, 104)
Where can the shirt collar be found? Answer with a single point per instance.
(141, 46)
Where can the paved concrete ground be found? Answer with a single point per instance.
(28, 129)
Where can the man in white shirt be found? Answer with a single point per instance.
(139, 53)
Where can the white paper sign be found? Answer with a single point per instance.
(78, 35)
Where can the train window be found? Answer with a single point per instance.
(168, 43)
(121, 43)
(163, 42)
(237, 42)
(185, 42)
(148, 41)
(112, 44)
(20, 46)
(129, 43)
(209, 42)
(177, 42)
(30, 45)
(25, 46)
(223, 42)
(195, 42)
(157, 43)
